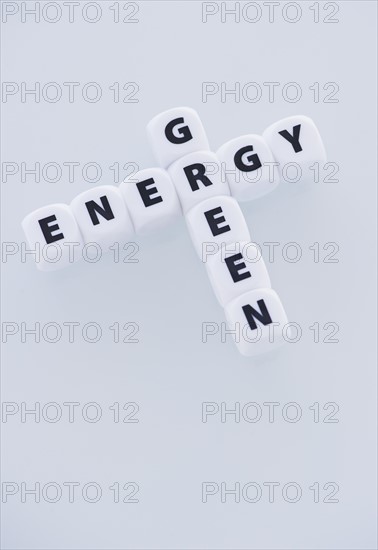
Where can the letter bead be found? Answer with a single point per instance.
(102, 216)
(259, 321)
(151, 199)
(197, 177)
(296, 139)
(235, 269)
(249, 167)
(216, 221)
(54, 231)
(175, 133)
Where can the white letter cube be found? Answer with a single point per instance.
(175, 133)
(296, 139)
(216, 221)
(236, 269)
(51, 228)
(249, 167)
(259, 319)
(102, 216)
(197, 177)
(151, 199)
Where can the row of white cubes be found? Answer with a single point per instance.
(204, 186)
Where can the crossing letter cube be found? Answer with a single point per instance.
(197, 177)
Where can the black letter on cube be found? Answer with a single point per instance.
(47, 229)
(105, 211)
(146, 193)
(235, 268)
(293, 139)
(196, 172)
(253, 159)
(262, 315)
(184, 132)
(214, 221)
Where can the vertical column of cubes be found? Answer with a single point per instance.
(216, 223)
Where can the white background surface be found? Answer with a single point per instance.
(170, 452)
